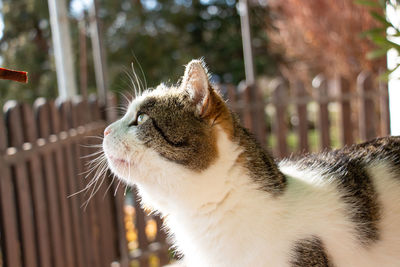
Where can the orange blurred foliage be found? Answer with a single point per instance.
(322, 36)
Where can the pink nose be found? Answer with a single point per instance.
(107, 131)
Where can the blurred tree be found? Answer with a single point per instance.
(162, 34)
(165, 34)
(386, 35)
(323, 36)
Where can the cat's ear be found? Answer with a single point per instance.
(196, 83)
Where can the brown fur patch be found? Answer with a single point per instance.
(310, 253)
(217, 113)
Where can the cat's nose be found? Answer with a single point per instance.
(107, 131)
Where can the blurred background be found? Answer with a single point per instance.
(160, 35)
(289, 40)
(304, 76)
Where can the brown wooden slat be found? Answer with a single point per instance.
(111, 110)
(280, 96)
(346, 129)
(258, 115)
(78, 152)
(13, 122)
(118, 201)
(119, 216)
(8, 216)
(107, 226)
(102, 200)
(141, 229)
(71, 172)
(161, 238)
(384, 108)
(232, 97)
(38, 190)
(62, 188)
(41, 109)
(246, 110)
(81, 117)
(302, 129)
(367, 112)
(321, 90)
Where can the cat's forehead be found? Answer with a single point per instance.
(161, 92)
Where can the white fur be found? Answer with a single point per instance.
(219, 218)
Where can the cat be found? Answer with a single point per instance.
(227, 202)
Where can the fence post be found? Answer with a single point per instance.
(384, 108)
(232, 97)
(258, 115)
(118, 203)
(367, 112)
(279, 96)
(42, 114)
(321, 90)
(60, 174)
(245, 101)
(82, 115)
(64, 109)
(161, 238)
(38, 189)
(111, 108)
(302, 127)
(345, 111)
(8, 218)
(119, 214)
(141, 230)
(13, 121)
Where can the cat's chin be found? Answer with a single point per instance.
(121, 167)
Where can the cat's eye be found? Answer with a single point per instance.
(142, 118)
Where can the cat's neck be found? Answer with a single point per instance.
(261, 165)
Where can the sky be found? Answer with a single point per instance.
(1, 20)
(77, 6)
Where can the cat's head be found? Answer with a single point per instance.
(170, 134)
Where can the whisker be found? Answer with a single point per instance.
(132, 83)
(95, 190)
(91, 165)
(126, 189)
(93, 180)
(138, 81)
(91, 146)
(95, 137)
(100, 151)
(108, 188)
(141, 70)
(116, 189)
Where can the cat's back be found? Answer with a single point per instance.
(364, 181)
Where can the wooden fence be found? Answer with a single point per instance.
(42, 156)
(329, 111)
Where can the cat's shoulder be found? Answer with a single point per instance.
(348, 171)
(355, 156)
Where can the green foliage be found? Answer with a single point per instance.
(162, 34)
(165, 34)
(25, 45)
(382, 36)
